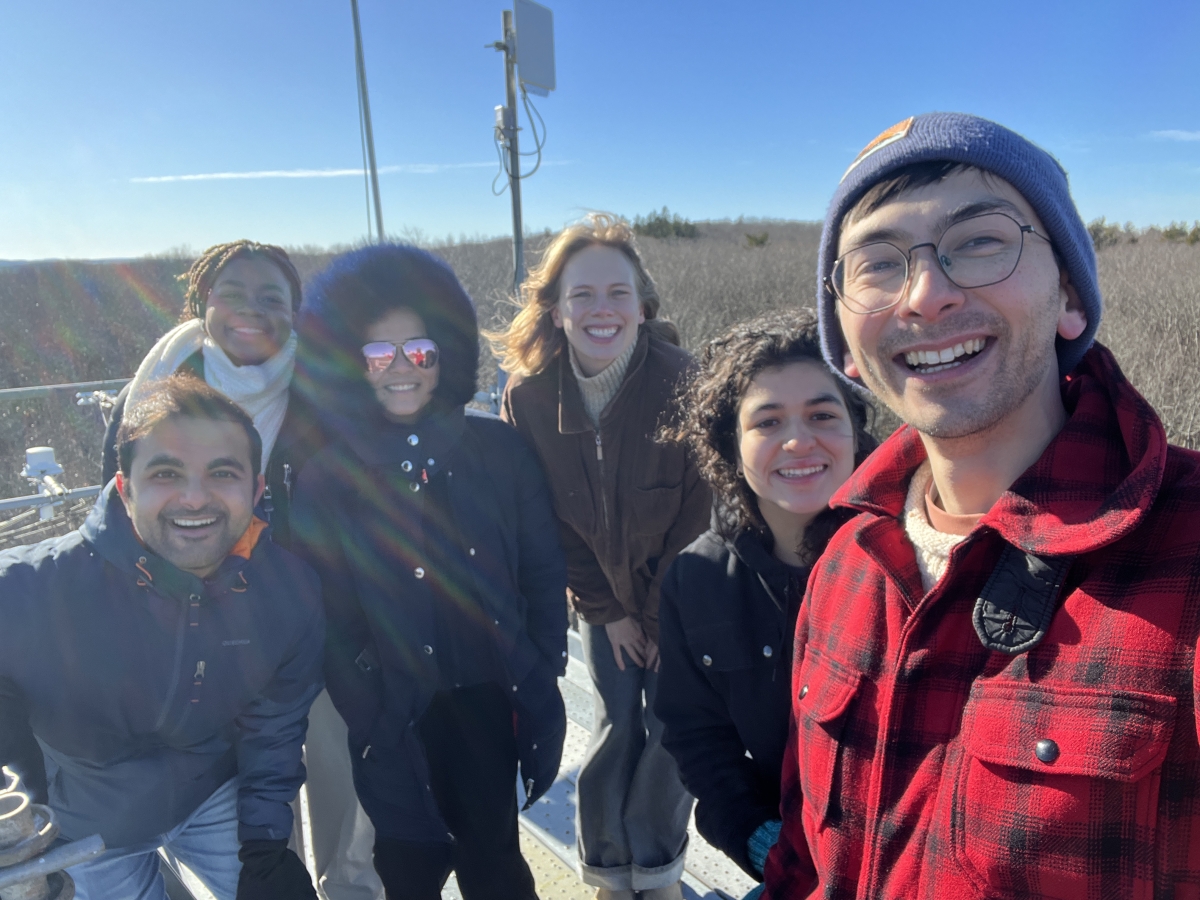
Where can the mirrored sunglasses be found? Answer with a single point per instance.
(421, 352)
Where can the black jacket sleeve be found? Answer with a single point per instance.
(19, 749)
(700, 733)
(541, 565)
(352, 668)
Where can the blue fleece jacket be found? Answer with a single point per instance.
(147, 688)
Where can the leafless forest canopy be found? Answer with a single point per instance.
(80, 321)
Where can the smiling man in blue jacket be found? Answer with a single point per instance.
(164, 657)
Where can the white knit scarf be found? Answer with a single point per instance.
(262, 390)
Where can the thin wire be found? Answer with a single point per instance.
(503, 166)
(531, 113)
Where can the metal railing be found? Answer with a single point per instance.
(85, 387)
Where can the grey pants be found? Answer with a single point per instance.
(631, 808)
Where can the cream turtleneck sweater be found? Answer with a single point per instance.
(599, 389)
(933, 546)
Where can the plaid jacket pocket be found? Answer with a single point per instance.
(1048, 774)
(824, 695)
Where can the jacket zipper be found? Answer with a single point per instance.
(197, 681)
(180, 638)
(603, 487)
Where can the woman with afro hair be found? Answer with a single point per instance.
(432, 530)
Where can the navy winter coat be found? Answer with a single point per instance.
(363, 508)
(726, 620)
(148, 688)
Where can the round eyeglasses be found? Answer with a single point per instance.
(972, 253)
(421, 352)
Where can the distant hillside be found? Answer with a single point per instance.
(70, 321)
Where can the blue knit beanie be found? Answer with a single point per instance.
(957, 137)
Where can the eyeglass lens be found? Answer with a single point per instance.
(421, 352)
(975, 252)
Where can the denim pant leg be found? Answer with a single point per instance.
(131, 873)
(207, 842)
(629, 828)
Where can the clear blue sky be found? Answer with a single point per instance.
(714, 109)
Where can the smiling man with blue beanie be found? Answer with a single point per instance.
(995, 680)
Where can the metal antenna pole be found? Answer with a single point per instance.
(514, 154)
(364, 105)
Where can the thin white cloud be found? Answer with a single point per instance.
(1176, 135)
(407, 169)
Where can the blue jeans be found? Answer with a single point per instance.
(631, 808)
(206, 842)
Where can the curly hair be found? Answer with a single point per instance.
(359, 288)
(204, 271)
(531, 342)
(706, 417)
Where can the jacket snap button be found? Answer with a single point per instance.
(413, 486)
(706, 659)
(428, 650)
(413, 440)
(1046, 750)
(406, 466)
(472, 551)
(195, 598)
(419, 572)
(514, 687)
(142, 560)
(429, 462)
(534, 747)
(804, 692)
(767, 651)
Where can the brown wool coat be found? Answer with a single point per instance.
(626, 504)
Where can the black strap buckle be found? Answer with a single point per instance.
(1019, 600)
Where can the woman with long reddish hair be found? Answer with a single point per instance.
(593, 373)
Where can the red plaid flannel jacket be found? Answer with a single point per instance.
(918, 765)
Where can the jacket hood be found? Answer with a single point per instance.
(774, 573)
(1093, 485)
(357, 289)
(109, 530)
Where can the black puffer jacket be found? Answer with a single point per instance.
(726, 621)
(366, 510)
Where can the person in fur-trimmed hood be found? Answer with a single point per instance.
(433, 534)
(995, 678)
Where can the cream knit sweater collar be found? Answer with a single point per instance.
(599, 389)
(933, 546)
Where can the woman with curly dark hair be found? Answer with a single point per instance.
(775, 433)
(433, 533)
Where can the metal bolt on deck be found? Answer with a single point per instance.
(29, 870)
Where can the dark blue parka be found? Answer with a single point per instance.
(352, 520)
(409, 526)
(148, 688)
